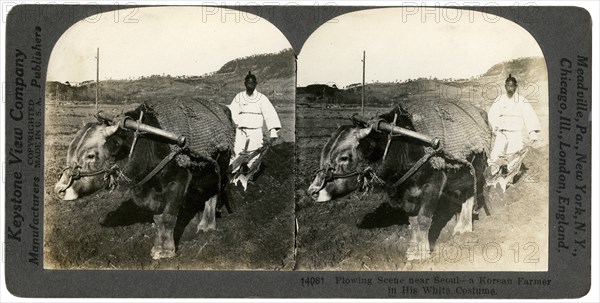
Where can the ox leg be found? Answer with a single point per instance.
(420, 248)
(208, 221)
(164, 245)
(465, 219)
(172, 197)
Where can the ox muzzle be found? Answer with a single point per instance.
(327, 176)
(64, 188)
(322, 177)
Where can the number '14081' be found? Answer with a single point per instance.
(312, 281)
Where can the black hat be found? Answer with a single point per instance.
(250, 76)
(511, 79)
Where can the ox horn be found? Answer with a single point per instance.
(128, 123)
(363, 132)
(110, 130)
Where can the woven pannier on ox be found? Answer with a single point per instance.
(461, 127)
(206, 125)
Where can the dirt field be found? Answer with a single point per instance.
(107, 231)
(513, 238)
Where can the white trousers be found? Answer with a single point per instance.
(506, 143)
(254, 137)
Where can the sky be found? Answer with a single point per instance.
(407, 43)
(156, 40)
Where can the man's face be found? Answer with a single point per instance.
(250, 84)
(511, 88)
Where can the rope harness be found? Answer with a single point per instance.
(428, 154)
(329, 171)
(329, 174)
(75, 173)
(114, 173)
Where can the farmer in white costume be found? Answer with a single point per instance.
(251, 110)
(509, 116)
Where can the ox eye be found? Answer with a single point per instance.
(90, 156)
(344, 158)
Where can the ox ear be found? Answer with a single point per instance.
(114, 145)
(110, 130)
(363, 133)
(369, 150)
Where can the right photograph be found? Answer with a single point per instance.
(421, 144)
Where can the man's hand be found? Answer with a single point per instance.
(273, 136)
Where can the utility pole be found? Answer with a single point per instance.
(97, 75)
(362, 106)
(324, 99)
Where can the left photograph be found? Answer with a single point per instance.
(169, 142)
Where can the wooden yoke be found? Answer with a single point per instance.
(381, 125)
(130, 124)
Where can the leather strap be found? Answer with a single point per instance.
(158, 168)
(415, 167)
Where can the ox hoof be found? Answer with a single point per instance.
(418, 251)
(460, 229)
(159, 253)
(418, 256)
(206, 227)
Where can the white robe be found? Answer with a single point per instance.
(250, 113)
(509, 117)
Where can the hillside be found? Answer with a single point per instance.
(275, 72)
(527, 69)
(274, 66)
(480, 90)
